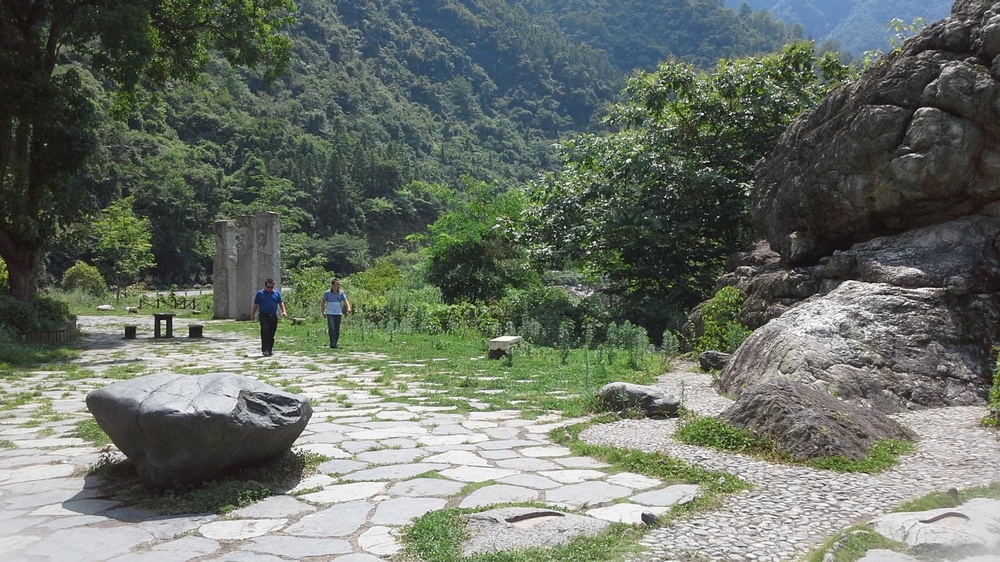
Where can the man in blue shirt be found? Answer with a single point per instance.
(334, 304)
(268, 302)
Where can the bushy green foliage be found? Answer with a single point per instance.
(721, 327)
(306, 296)
(657, 206)
(671, 344)
(381, 278)
(42, 313)
(540, 314)
(4, 281)
(85, 278)
(473, 252)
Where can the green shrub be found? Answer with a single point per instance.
(43, 313)
(721, 329)
(306, 294)
(381, 278)
(552, 308)
(4, 276)
(671, 344)
(85, 278)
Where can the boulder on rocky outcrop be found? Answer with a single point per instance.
(878, 345)
(813, 424)
(911, 143)
(627, 398)
(180, 429)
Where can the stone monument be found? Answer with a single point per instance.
(247, 252)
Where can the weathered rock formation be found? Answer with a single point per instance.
(882, 209)
(914, 142)
(184, 429)
(812, 423)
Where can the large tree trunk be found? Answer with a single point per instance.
(21, 267)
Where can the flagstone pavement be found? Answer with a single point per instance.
(381, 450)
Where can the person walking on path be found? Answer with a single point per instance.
(268, 302)
(334, 304)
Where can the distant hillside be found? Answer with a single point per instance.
(641, 34)
(855, 25)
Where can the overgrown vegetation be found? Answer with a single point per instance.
(721, 326)
(18, 317)
(85, 278)
(993, 403)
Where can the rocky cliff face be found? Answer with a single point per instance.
(882, 209)
(914, 142)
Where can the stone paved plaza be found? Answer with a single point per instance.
(382, 449)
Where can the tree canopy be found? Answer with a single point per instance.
(49, 106)
(656, 206)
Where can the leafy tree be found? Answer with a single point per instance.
(474, 254)
(47, 107)
(125, 243)
(658, 205)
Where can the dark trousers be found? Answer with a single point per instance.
(333, 326)
(268, 326)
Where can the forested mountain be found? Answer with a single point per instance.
(641, 34)
(387, 106)
(855, 26)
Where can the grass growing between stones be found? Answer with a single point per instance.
(719, 434)
(89, 431)
(937, 500)
(713, 483)
(438, 536)
(230, 491)
(852, 544)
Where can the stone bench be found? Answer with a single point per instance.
(130, 331)
(195, 330)
(498, 346)
(296, 321)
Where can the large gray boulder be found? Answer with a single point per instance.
(180, 429)
(877, 345)
(913, 142)
(813, 424)
(627, 398)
